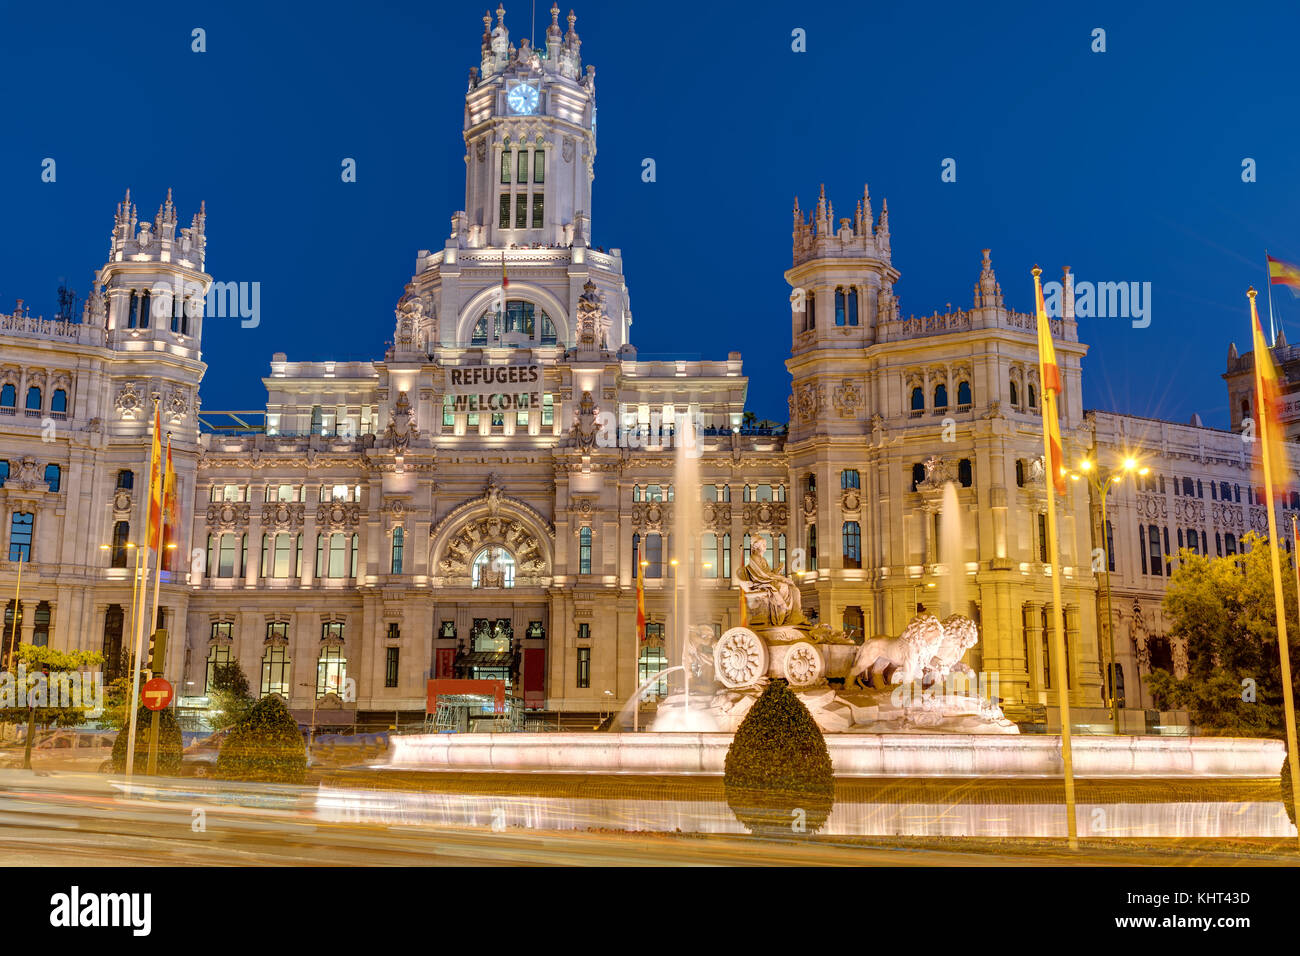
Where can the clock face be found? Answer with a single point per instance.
(522, 99)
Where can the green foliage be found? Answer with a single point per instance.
(169, 746)
(1223, 608)
(117, 697)
(778, 775)
(229, 696)
(30, 659)
(265, 745)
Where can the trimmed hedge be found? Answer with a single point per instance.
(778, 775)
(265, 745)
(169, 744)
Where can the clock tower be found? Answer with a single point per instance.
(530, 140)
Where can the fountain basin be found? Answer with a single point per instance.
(852, 755)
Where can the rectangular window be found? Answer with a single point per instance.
(584, 666)
(852, 545)
(504, 221)
(1042, 538)
(505, 166)
(650, 662)
(538, 208)
(20, 535)
(522, 166)
(390, 666)
(709, 555)
(448, 411)
(539, 165)
(849, 478)
(548, 409)
(584, 551)
(275, 671)
(521, 211)
(331, 631)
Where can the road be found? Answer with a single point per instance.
(71, 819)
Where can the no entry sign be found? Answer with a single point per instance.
(156, 693)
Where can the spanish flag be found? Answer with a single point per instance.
(155, 484)
(640, 601)
(1268, 405)
(1049, 373)
(169, 508)
(1283, 273)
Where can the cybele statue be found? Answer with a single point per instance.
(914, 683)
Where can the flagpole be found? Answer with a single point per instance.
(139, 621)
(1272, 329)
(1058, 642)
(1284, 650)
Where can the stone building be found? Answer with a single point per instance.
(475, 502)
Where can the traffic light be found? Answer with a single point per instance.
(157, 657)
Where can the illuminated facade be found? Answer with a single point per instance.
(475, 503)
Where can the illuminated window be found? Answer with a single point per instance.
(20, 536)
(275, 670)
(331, 671)
(399, 547)
(584, 667)
(493, 567)
(218, 656)
(852, 545)
(584, 551)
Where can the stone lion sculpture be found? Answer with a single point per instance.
(959, 636)
(905, 657)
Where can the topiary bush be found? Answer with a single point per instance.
(265, 745)
(169, 744)
(777, 766)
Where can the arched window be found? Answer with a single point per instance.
(8, 396)
(940, 396)
(584, 551)
(1015, 394)
(853, 306)
(33, 403)
(59, 402)
(1033, 397)
(964, 393)
(399, 546)
(548, 330)
(918, 399)
(918, 474)
(133, 313)
(964, 473)
(852, 545)
(841, 307)
(1245, 408)
(480, 334)
(493, 568)
(1229, 542)
(810, 303)
(53, 476)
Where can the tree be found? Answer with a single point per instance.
(1223, 609)
(229, 697)
(265, 744)
(53, 687)
(170, 744)
(778, 775)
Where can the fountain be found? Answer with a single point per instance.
(952, 548)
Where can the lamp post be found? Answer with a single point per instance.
(636, 662)
(1101, 484)
(18, 612)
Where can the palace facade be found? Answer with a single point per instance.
(475, 502)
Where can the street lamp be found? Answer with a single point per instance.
(1101, 482)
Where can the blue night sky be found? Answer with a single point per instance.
(1125, 165)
